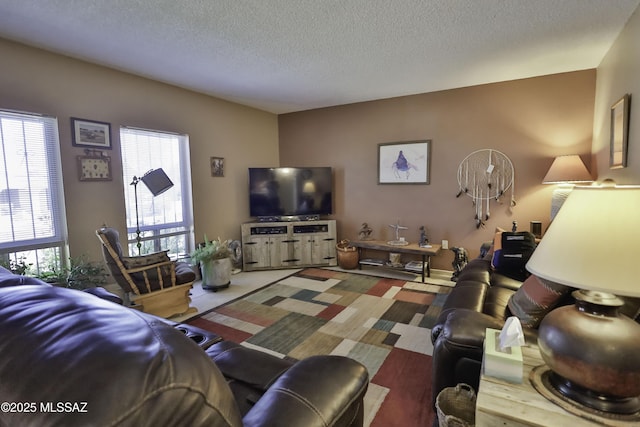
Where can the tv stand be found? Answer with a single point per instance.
(287, 244)
(288, 218)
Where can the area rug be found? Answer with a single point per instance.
(383, 323)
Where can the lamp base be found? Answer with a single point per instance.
(541, 378)
(597, 401)
(593, 353)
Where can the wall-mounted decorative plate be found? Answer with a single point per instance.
(94, 168)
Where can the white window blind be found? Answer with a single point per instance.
(166, 221)
(32, 212)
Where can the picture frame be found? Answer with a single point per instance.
(404, 162)
(94, 167)
(619, 132)
(217, 166)
(90, 133)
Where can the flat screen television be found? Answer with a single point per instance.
(283, 192)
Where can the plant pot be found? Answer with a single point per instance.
(216, 274)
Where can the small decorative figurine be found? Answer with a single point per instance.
(424, 241)
(400, 241)
(460, 259)
(365, 232)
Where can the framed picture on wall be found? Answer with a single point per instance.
(94, 167)
(404, 162)
(217, 166)
(89, 133)
(619, 132)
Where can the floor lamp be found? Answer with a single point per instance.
(157, 182)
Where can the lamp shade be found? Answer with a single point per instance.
(592, 242)
(567, 169)
(157, 181)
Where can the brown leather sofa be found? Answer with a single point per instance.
(70, 358)
(479, 301)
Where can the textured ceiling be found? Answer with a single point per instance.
(292, 55)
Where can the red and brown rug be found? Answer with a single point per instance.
(383, 323)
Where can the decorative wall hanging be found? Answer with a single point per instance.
(404, 162)
(89, 133)
(217, 166)
(619, 132)
(94, 166)
(485, 175)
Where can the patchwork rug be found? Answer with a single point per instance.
(383, 323)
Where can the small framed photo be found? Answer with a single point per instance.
(619, 132)
(217, 166)
(89, 133)
(94, 167)
(404, 162)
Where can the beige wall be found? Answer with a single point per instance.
(531, 121)
(618, 74)
(36, 81)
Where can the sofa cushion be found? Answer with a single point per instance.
(535, 298)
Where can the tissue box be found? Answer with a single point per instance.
(505, 365)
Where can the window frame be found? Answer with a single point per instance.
(159, 234)
(37, 249)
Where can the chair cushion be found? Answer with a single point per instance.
(184, 273)
(144, 260)
(535, 298)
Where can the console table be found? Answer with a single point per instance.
(500, 403)
(411, 248)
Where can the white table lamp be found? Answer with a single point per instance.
(592, 351)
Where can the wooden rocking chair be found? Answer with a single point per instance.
(154, 283)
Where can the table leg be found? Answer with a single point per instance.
(423, 264)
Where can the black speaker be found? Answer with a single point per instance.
(536, 229)
(157, 181)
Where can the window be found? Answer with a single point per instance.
(33, 229)
(166, 220)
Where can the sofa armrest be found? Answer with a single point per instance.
(466, 328)
(317, 391)
(457, 351)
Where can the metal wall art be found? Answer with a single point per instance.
(485, 176)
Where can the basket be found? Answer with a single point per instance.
(347, 255)
(456, 406)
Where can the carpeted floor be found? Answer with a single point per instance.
(383, 323)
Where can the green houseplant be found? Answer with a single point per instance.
(18, 266)
(79, 274)
(214, 258)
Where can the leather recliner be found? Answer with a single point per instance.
(70, 358)
(478, 301)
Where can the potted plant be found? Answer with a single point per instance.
(214, 258)
(19, 267)
(79, 274)
(83, 274)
